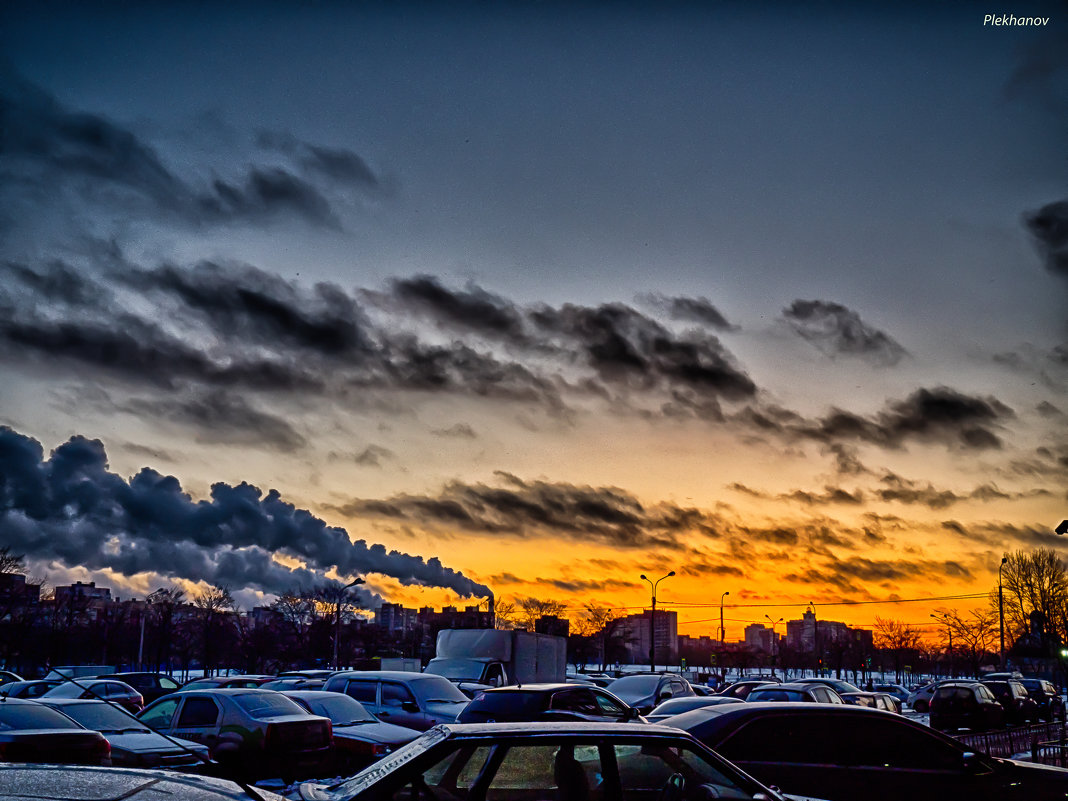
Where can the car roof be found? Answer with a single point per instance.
(547, 687)
(754, 709)
(388, 674)
(563, 727)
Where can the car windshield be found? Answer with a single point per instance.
(341, 710)
(102, 717)
(33, 716)
(459, 669)
(435, 689)
(634, 686)
(775, 694)
(268, 703)
(201, 684)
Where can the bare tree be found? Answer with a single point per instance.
(975, 635)
(11, 562)
(504, 612)
(530, 609)
(896, 637)
(1034, 581)
(214, 606)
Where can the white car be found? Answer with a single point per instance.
(920, 699)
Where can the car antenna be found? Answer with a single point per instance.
(206, 760)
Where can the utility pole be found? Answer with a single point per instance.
(1001, 611)
(722, 631)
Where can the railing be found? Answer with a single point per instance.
(1046, 743)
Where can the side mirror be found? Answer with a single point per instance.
(631, 714)
(410, 706)
(971, 761)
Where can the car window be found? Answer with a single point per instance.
(608, 705)
(33, 716)
(160, 715)
(168, 684)
(649, 771)
(198, 712)
(395, 694)
(879, 742)
(451, 777)
(578, 701)
(364, 691)
(801, 739)
(546, 771)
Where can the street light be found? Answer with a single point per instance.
(337, 617)
(652, 618)
(945, 619)
(1001, 612)
(722, 631)
(774, 643)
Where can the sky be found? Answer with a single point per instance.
(535, 298)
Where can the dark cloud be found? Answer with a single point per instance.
(473, 309)
(223, 418)
(939, 415)
(1049, 228)
(372, 456)
(839, 331)
(696, 310)
(516, 508)
(71, 509)
(460, 430)
(98, 159)
(339, 165)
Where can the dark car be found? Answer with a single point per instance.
(133, 744)
(416, 700)
(1020, 708)
(1043, 693)
(559, 761)
(31, 688)
(293, 683)
(965, 705)
(7, 675)
(643, 691)
(250, 732)
(844, 753)
(226, 682)
(741, 689)
(896, 690)
(359, 737)
(51, 782)
(150, 685)
(117, 692)
(875, 700)
(30, 732)
(811, 693)
(676, 706)
(547, 702)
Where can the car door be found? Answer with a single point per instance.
(366, 692)
(574, 704)
(399, 706)
(159, 715)
(199, 719)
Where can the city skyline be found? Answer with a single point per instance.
(534, 299)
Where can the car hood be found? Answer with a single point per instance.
(152, 742)
(112, 784)
(378, 732)
(1035, 770)
(445, 709)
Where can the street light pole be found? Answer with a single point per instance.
(652, 618)
(337, 618)
(722, 631)
(774, 644)
(1001, 611)
(949, 631)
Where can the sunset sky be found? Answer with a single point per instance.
(534, 298)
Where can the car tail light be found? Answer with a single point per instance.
(102, 749)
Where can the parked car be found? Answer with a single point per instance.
(599, 680)
(50, 782)
(133, 744)
(896, 690)
(308, 673)
(965, 705)
(225, 682)
(7, 675)
(293, 683)
(30, 732)
(150, 685)
(1043, 693)
(1020, 708)
(844, 753)
(547, 702)
(741, 689)
(795, 691)
(32, 688)
(838, 685)
(874, 700)
(117, 692)
(920, 698)
(561, 761)
(643, 691)
(359, 737)
(676, 706)
(251, 732)
(416, 700)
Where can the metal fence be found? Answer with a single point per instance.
(1046, 743)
